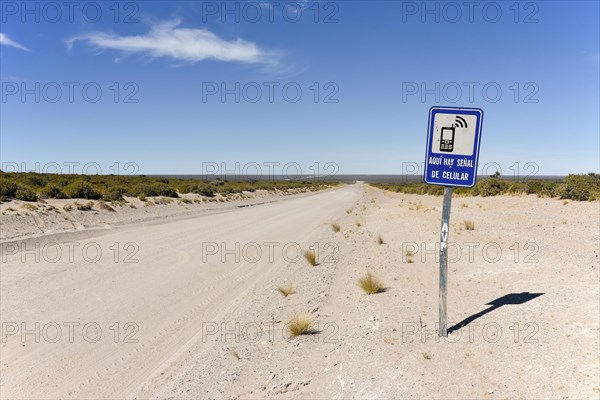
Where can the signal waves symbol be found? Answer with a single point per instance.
(460, 122)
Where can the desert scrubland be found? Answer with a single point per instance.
(172, 301)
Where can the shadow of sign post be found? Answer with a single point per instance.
(509, 299)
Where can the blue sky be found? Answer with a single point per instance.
(361, 66)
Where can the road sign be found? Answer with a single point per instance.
(453, 138)
(452, 154)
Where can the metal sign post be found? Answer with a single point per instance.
(444, 259)
(451, 159)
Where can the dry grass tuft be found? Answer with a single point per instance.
(370, 284)
(336, 227)
(469, 225)
(103, 206)
(84, 206)
(236, 354)
(300, 325)
(310, 257)
(409, 257)
(380, 240)
(358, 223)
(286, 290)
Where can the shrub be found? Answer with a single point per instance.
(142, 191)
(517, 188)
(25, 193)
(370, 284)
(16, 190)
(490, 187)
(380, 240)
(541, 188)
(205, 189)
(81, 190)
(336, 227)
(35, 180)
(300, 325)
(52, 191)
(67, 207)
(580, 187)
(162, 189)
(469, 225)
(8, 189)
(114, 194)
(185, 188)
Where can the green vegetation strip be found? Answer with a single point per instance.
(33, 186)
(574, 187)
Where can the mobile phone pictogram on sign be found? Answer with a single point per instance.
(452, 146)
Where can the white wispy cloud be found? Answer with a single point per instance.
(5, 40)
(294, 7)
(167, 39)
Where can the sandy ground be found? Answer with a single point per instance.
(189, 308)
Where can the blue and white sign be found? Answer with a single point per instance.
(453, 138)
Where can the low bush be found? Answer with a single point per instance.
(205, 189)
(490, 187)
(81, 190)
(114, 194)
(52, 191)
(162, 189)
(25, 193)
(580, 187)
